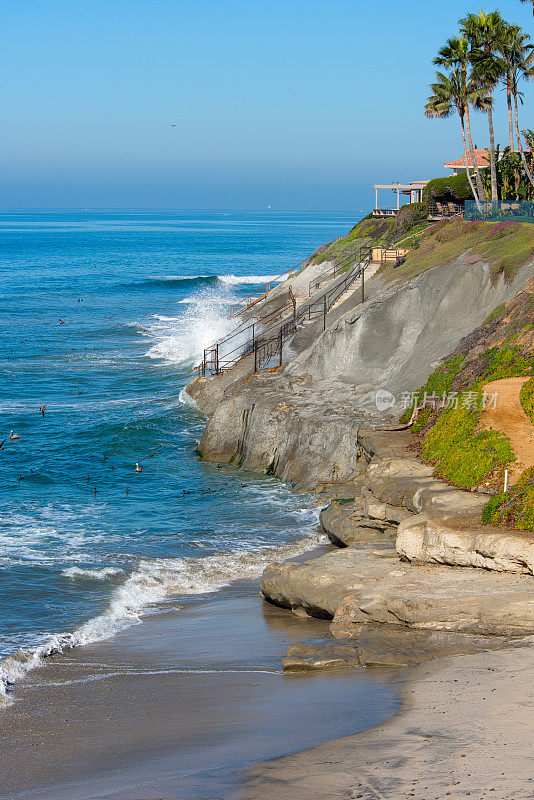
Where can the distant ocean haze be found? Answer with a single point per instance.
(104, 315)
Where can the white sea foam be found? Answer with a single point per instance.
(186, 400)
(234, 280)
(183, 339)
(152, 582)
(92, 574)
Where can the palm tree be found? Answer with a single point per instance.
(519, 56)
(513, 41)
(450, 93)
(518, 96)
(485, 35)
(455, 54)
(528, 1)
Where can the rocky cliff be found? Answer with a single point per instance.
(300, 421)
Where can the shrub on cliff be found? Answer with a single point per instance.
(526, 397)
(452, 188)
(411, 219)
(514, 508)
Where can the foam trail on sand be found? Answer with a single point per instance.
(152, 582)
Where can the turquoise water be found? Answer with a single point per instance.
(103, 315)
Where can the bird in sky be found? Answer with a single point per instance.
(173, 125)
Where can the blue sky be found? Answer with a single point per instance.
(299, 104)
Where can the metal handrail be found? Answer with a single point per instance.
(338, 268)
(262, 292)
(215, 362)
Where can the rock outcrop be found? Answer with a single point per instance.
(315, 422)
(353, 586)
(385, 646)
(436, 528)
(463, 541)
(301, 421)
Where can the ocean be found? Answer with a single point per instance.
(103, 317)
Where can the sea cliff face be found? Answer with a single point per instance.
(404, 537)
(301, 421)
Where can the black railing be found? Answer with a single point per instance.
(255, 338)
(339, 266)
(444, 210)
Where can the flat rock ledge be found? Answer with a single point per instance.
(463, 541)
(353, 586)
(433, 522)
(386, 646)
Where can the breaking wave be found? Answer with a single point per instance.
(92, 574)
(235, 280)
(155, 281)
(152, 582)
(183, 339)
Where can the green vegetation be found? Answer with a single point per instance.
(376, 231)
(495, 314)
(462, 454)
(512, 182)
(452, 188)
(514, 508)
(453, 443)
(438, 384)
(505, 246)
(527, 398)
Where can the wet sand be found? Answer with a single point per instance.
(465, 733)
(178, 706)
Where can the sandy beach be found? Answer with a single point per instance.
(179, 706)
(465, 730)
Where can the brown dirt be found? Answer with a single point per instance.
(509, 417)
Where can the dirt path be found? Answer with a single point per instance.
(508, 417)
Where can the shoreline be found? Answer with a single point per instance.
(128, 717)
(464, 721)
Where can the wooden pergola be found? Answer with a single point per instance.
(414, 189)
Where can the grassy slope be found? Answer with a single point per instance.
(515, 508)
(506, 246)
(411, 219)
(453, 441)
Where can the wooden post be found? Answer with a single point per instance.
(255, 356)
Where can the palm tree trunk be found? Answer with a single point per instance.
(478, 177)
(509, 104)
(493, 163)
(520, 143)
(469, 178)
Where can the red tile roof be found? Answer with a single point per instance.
(481, 157)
